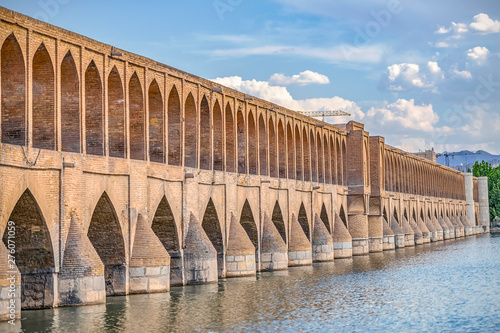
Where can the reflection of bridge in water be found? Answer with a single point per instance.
(124, 175)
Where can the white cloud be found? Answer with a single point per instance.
(463, 74)
(483, 23)
(444, 44)
(342, 53)
(406, 76)
(479, 53)
(434, 68)
(304, 78)
(459, 28)
(442, 30)
(281, 96)
(403, 115)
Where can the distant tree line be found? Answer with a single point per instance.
(484, 169)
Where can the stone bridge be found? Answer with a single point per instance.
(122, 175)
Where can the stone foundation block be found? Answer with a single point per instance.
(375, 244)
(360, 246)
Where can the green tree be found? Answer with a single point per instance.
(484, 169)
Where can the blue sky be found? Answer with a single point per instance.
(420, 73)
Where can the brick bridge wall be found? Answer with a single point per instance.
(124, 175)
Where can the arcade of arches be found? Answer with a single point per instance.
(137, 176)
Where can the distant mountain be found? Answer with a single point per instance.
(466, 159)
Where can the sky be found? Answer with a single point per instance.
(423, 74)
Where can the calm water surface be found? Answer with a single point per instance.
(451, 286)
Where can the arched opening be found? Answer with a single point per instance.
(273, 170)
(282, 150)
(156, 127)
(94, 130)
(166, 230)
(205, 135)
(291, 151)
(241, 129)
(211, 226)
(248, 223)
(116, 115)
(105, 234)
(278, 221)
(190, 133)
(321, 154)
(218, 137)
(328, 159)
(307, 157)
(13, 93)
(252, 145)
(338, 152)
(343, 216)
(344, 164)
(174, 128)
(44, 129)
(34, 256)
(298, 154)
(262, 146)
(70, 105)
(385, 215)
(230, 140)
(324, 218)
(303, 221)
(136, 119)
(314, 158)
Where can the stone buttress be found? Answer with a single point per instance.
(240, 256)
(299, 247)
(322, 242)
(274, 254)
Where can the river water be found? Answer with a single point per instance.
(450, 286)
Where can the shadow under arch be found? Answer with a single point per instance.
(304, 221)
(34, 253)
(165, 228)
(324, 217)
(278, 221)
(106, 236)
(211, 226)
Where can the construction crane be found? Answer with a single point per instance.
(323, 114)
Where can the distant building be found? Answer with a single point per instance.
(428, 154)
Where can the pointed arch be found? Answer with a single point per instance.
(212, 228)
(324, 217)
(314, 157)
(106, 236)
(205, 135)
(290, 152)
(230, 140)
(338, 152)
(156, 124)
(43, 99)
(278, 221)
(241, 131)
(165, 228)
(385, 215)
(13, 87)
(248, 223)
(282, 150)
(94, 116)
(307, 156)
(344, 163)
(116, 115)
(273, 169)
(70, 105)
(298, 154)
(137, 118)
(218, 137)
(327, 153)
(34, 252)
(321, 154)
(190, 133)
(304, 221)
(174, 128)
(252, 145)
(262, 146)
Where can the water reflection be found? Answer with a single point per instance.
(449, 286)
